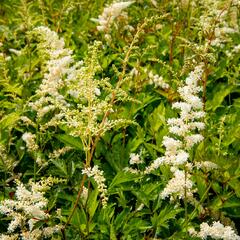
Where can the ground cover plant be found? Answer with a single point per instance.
(119, 120)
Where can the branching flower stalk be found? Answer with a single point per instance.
(185, 126)
(185, 130)
(93, 142)
(215, 29)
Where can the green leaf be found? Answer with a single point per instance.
(153, 149)
(202, 187)
(61, 165)
(142, 197)
(147, 100)
(70, 140)
(15, 89)
(156, 119)
(136, 224)
(9, 120)
(232, 203)
(79, 219)
(92, 203)
(112, 233)
(167, 213)
(123, 177)
(220, 92)
(120, 219)
(235, 183)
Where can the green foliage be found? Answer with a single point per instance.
(119, 111)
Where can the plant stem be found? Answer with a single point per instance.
(77, 200)
(204, 82)
(185, 196)
(34, 170)
(198, 204)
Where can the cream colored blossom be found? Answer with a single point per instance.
(180, 186)
(29, 139)
(185, 126)
(110, 13)
(157, 80)
(217, 231)
(135, 159)
(97, 175)
(27, 210)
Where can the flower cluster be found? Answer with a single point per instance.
(7, 161)
(184, 129)
(132, 170)
(71, 92)
(216, 231)
(190, 111)
(109, 14)
(135, 159)
(180, 185)
(206, 165)
(214, 23)
(27, 121)
(185, 125)
(29, 139)
(48, 94)
(84, 195)
(98, 177)
(57, 153)
(231, 53)
(157, 80)
(29, 209)
(3, 154)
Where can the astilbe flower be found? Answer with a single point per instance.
(28, 209)
(3, 154)
(206, 165)
(48, 94)
(29, 139)
(71, 97)
(184, 131)
(27, 121)
(71, 91)
(180, 185)
(185, 125)
(109, 14)
(135, 159)
(8, 237)
(7, 160)
(58, 152)
(157, 80)
(84, 195)
(214, 21)
(98, 177)
(132, 170)
(216, 231)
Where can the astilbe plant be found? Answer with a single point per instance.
(172, 188)
(72, 98)
(184, 134)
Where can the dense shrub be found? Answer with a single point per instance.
(119, 120)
